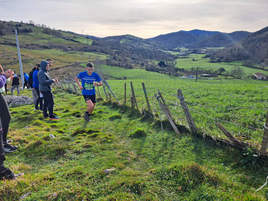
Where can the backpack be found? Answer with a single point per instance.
(15, 81)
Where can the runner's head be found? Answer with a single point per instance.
(50, 62)
(90, 68)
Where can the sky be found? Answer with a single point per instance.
(142, 18)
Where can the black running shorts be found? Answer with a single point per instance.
(90, 97)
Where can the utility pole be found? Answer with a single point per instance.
(19, 56)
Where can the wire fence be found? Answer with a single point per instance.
(205, 116)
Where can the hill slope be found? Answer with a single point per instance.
(128, 52)
(253, 49)
(118, 156)
(198, 39)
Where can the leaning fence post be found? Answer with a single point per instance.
(70, 87)
(264, 145)
(231, 137)
(63, 85)
(133, 96)
(146, 97)
(187, 112)
(125, 93)
(104, 89)
(75, 89)
(110, 97)
(98, 92)
(167, 112)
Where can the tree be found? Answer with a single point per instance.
(238, 72)
(221, 70)
(162, 64)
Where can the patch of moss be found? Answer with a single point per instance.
(139, 133)
(80, 131)
(187, 177)
(114, 117)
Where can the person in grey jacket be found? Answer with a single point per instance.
(45, 83)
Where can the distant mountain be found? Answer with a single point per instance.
(198, 39)
(252, 50)
(131, 40)
(128, 49)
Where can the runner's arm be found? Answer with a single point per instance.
(78, 83)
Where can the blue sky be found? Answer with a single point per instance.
(142, 18)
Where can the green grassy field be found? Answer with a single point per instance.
(120, 156)
(196, 60)
(240, 105)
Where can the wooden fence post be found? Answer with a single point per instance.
(146, 97)
(132, 102)
(75, 89)
(70, 87)
(167, 112)
(98, 92)
(125, 93)
(231, 137)
(110, 97)
(63, 84)
(160, 95)
(104, 89)
(133, 96)
(187, 112)
(264, 145)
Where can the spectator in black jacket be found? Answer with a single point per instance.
(5, 173)
(15, 84)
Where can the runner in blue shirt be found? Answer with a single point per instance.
(89, 79)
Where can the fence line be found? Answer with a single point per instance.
(162, 108)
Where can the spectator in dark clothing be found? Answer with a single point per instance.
(5, 173)
(15, 84)
(44, 86)
(30, 81)
(26, 79)
(35, 89)
(6, 88)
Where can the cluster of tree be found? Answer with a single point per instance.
(7, 28)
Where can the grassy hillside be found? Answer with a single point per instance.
(196, 60)
(120, 156)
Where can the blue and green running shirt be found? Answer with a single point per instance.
(87, 82)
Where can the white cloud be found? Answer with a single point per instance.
(145, 18)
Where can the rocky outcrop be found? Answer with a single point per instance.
(14, 101)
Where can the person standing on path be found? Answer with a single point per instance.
(89, 80)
